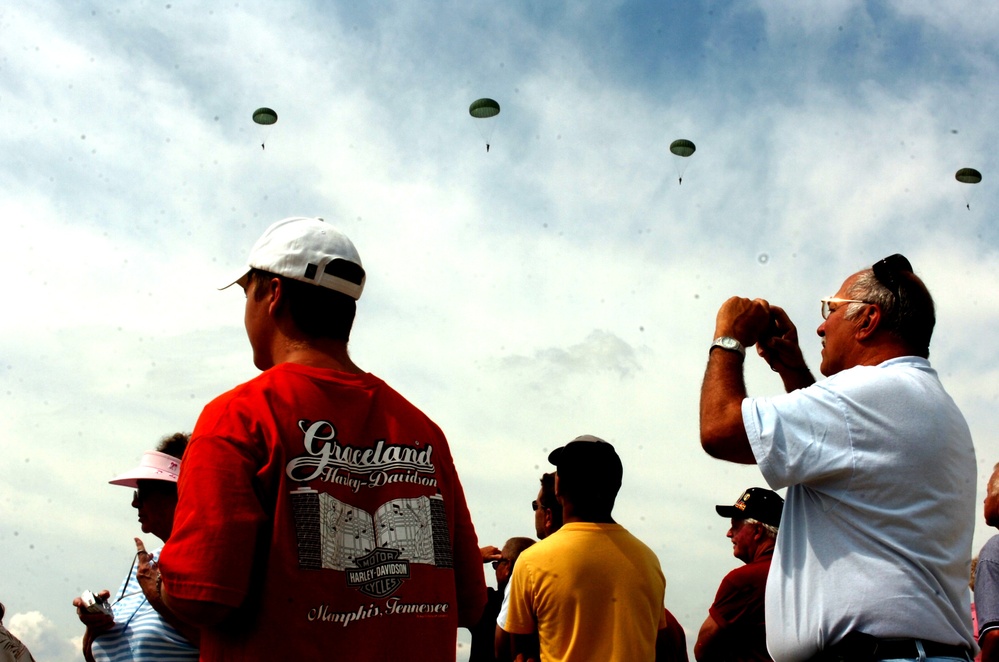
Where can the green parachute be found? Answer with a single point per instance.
(968, 176)
(682, 148)
(264, 117)
(483, 111)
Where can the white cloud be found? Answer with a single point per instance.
(43, 638)
(562, 283)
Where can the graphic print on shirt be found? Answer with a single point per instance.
(373, 549)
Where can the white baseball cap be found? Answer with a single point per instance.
(154, 466)
(309, 250)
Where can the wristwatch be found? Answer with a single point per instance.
(728, 343)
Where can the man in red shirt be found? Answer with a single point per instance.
(319, 512)
(735, 629)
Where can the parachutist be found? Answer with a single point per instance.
(261, 146)
(487, 148)
(968, 206)
(681, 182)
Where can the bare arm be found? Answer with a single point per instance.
(502, 645)
(706, 648)
(722, 433)
(148, 575)
(525, 646)
(780, 349)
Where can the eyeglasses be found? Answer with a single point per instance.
(827, 310)
(497, 564)
(535, 505)
(888, 270)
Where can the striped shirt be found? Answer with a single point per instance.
(139, 633)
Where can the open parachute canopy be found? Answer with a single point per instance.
(968, 176)
(264, 116)
(483, 108)
(682, 147)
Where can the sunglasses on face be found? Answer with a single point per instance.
(145, 491)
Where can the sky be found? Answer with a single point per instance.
(562, 283)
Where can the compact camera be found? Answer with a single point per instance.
(95, 604)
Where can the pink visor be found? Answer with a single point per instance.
(154, 466)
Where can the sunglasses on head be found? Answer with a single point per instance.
(888, 271)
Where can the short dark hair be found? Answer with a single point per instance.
(909, 316)
(174, 445)
(515, 546)
(318, 312)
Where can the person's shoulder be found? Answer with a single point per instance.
(748, 573)
(990, 549)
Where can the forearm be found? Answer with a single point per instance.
(722, 432)
(526, 645)
(501, 645)
(88, 643)
(706, 648)
(796, 378)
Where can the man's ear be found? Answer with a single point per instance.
(275, 296)
(869, 322)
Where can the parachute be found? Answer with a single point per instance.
(484, 109)
(265, 117)
(968, 176)
(683, 149)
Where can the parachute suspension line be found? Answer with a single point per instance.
(682, 149)
(264, 117)
(968, 176)
(482, 112)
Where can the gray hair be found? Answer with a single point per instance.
(909, 316)
(769, 530)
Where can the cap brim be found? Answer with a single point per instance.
(242, 274)
(132, 478)
(731, 512)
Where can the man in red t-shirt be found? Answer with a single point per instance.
(319, 512)
(735, 629)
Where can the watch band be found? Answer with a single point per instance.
(728, 343)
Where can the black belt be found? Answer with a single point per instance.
(894, 648)
(857, 646)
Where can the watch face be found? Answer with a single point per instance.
(732, 344)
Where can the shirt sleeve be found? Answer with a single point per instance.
(800, 437)
(520, 609)
(217, 523)
(987, 587)
(504, 607)
(470, 578)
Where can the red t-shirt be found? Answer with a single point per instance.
(327, 509)
(739, 611)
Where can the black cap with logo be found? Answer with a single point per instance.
(756, 503)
